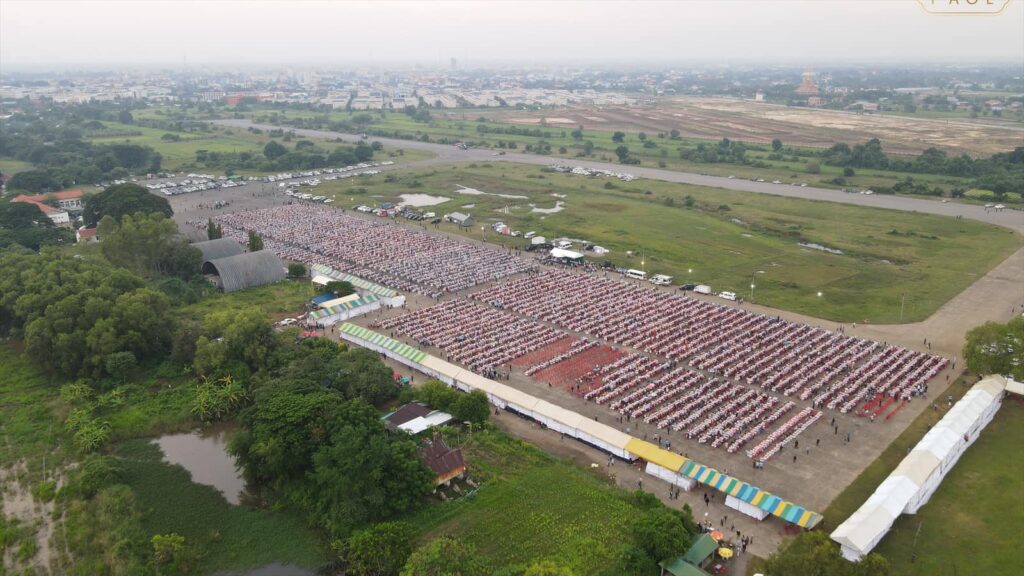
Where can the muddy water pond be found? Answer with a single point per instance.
(204, 454)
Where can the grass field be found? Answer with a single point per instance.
(273, 300)
(182, 153)
(531, 507)
(226, 536)
(9, 167)
(28, 427)
(727, 238)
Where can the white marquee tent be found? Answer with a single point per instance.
(913, 482)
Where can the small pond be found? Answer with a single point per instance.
(204, 454)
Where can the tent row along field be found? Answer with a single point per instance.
(862, 262)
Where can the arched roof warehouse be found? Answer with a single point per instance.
(219, 248)
(246, 270)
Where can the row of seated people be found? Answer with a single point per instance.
(783, 357)
(478, 337)
(430, 262)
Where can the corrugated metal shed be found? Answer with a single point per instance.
(246, 270)
(219, 248)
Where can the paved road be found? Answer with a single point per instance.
(1012, 219)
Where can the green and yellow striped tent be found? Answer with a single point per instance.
(403, 350)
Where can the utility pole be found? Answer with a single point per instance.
(903, 302)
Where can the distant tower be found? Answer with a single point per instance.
(454, 64)
(807, 86)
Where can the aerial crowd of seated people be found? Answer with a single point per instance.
(788, 358)
(378, 250)
(712, 372)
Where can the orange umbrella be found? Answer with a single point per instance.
(717, 535)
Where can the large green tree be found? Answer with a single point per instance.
(380, 550)
(814, 554)
(123, 199)
(25, 224)
(149, 244)
(994, 348)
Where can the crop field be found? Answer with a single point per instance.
(726, 238)
(758, 122)
(531, 507)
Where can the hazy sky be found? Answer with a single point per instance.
(94, 33)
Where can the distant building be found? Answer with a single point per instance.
(83, 235)
(69, 203)
(815, 101)
(460, 219)
(446, 463)
(759, 96)
(807, 86)
(416, 417)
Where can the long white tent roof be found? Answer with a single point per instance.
(940, 446)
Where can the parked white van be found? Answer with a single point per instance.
(727, 295)
(702, 289)
(661, 280)
(636, 274)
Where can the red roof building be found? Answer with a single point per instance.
(67, 200)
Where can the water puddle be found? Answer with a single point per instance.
(204, 454)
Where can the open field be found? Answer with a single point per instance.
(758, 122)
(182, 153)
(10, 167)
(532, 507)
(726, 238)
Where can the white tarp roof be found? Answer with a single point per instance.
(918, 466)
(321, 279)
(421, 423)
(1015, 387)
(339, 301)
(560, 253)
(893, 494)
(864, 529)
(939, 442)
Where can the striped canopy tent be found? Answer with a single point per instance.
(359, 283)
(352, 304)
(399, 348)
(750, 494)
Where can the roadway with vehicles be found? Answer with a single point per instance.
(446, 153)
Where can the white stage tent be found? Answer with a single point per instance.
(913, 482)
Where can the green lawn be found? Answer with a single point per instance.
(286, 296)
(29, 428)
(886, 254)
(227, 536)
(9, 167)
(531, 507)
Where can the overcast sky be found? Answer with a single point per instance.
(48, 33)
